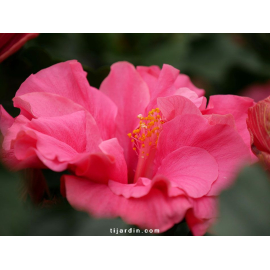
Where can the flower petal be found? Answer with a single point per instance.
(173, 106)
(191, 95)
(184, 81)
(153, 211)
(238, 107)
(202, 214)
(125, 87)
(104, 165)
(54, 139)
(220, 141)
(68, 80)
(39, 104)
(143, 186)
(193, 169)
(214, 119)
(6, 120)
(165, 85)
(113, 150)
(77, 130)
(150, 76)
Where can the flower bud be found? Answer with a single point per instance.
(258, 124)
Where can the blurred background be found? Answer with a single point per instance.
(219, 63)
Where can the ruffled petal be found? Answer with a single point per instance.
(153, 211)
(191, 95)
(143, 186)
(115, 152)
(164, 86)
(68, 80)
(238, 107)
(101, 166)
(13, 130)
(69, 129)
(150, 76)
(38, 104)
(214, 119)
(202, 214)
(220, 141)
(53, 139)
(193, 169)
(173, 106)
(184, 81)
(6, 120)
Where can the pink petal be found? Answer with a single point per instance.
(102, 166)
(137, 190)
(143, 186)
(198, 226)
(238, 107)
(205, 207)
(20, 147)
(203, 104)
(104, 112)
(184, 81)
(54, 139)
(220, 141)
(39, 104)
(78, 130)
(125, 87)
(68, 80)
(193, 169)
(153, 211)
(6, 120)
(12, 131)
(153, 71)
(9, 159)
(150, 76)
(214, 119)
(49, 106)
(164, 86)
(173, 106)
(191, 95)
(202, 214)
(113, 150)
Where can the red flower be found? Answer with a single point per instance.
(144, 147)
(10, 43)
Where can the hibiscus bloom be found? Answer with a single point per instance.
(144, 147)
(258, 126)
(11, 43)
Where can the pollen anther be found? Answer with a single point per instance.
(146, 135)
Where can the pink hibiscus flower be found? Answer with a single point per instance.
(10, 43)
(144, 147)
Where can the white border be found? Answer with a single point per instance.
(144, 16)
(134, 253)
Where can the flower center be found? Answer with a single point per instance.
(144, 141)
